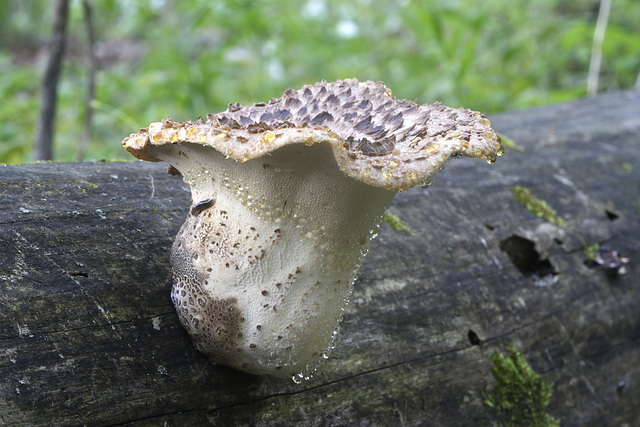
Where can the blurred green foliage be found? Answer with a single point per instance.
(190, 57)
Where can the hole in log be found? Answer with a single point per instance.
(473, 338)
(527, 259)
(611, 215)
(77, 274)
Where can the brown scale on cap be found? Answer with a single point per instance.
(378, 139)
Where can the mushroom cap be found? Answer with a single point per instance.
(376, 138)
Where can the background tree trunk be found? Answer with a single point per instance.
(88, 334)
(91, 84)
(44, 137)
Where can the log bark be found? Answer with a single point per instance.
(88, 334)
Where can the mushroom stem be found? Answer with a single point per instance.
(264, 264)
(286, 196)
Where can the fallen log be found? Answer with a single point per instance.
(88, 334)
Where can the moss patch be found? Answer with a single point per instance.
(537, 206)
(509, 143)
(396, 223)
(160, 213)
(520, 396)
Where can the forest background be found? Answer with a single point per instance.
(187, 58)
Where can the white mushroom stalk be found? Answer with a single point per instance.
(285, 198)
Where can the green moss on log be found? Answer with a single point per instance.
(520, 396)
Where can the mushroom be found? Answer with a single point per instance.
(285, 198)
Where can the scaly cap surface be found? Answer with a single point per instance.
(376, 138)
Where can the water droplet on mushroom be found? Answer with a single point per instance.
(267, 137)
(426, 182)
(432, 148)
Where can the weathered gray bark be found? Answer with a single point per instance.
(88, 333)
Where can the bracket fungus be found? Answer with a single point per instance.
(285, 198)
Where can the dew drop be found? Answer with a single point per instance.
(432, 148)
(267, 137)
(426, 182)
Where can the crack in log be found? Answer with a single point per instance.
(349, 378)
(34, 217)
(89, 327)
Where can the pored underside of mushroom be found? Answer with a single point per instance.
(285, 198)
(376, 138)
